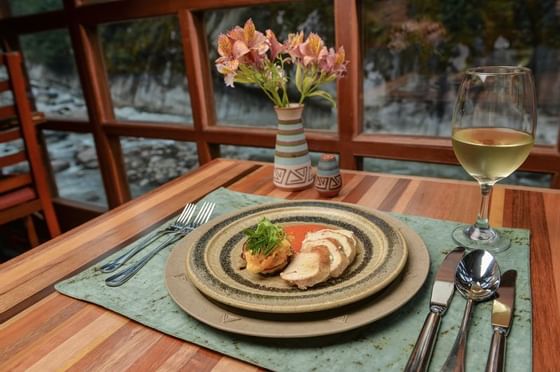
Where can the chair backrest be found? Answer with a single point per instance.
(22, 193)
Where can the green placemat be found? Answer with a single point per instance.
(384, 345)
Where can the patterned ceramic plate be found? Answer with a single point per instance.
(321, 323)
(214, 263)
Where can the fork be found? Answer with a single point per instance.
(203, 216)
(180, 223)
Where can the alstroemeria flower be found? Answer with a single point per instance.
(275, 46)
(292, 45)
(334, 62)
(228, 67)
(247, 56)
(225, 46)
(313, 50)
(249, 45)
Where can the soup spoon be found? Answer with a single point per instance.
(477, 279)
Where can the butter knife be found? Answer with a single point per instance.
(502, 316)
(442, 293)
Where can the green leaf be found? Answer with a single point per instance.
(323, 94)
(299, 78)
(307, 83)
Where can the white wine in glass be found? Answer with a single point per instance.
(493, 131)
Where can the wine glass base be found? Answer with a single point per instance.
(472, 237)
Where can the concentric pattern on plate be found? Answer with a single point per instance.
(327, 322)
(214, 261)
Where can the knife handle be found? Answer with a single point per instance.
(421, 355)
(497, 353)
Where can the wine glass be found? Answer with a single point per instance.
(494, 122)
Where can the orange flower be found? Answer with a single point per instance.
(292, 45)
(249, 45)
(313, 50)
(225, 47)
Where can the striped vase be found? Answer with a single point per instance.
(292, 165)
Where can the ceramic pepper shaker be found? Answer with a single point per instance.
(328, 181)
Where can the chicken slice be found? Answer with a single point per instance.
(308, 268)
(345, 238)
(339, 261)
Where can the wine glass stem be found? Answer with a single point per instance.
(482, 218)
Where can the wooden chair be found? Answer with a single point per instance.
(22, 195)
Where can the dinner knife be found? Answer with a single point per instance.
(442, 293)
(502, 316)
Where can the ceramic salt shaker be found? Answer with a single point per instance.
(327, 180)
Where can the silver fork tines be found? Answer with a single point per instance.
(184, 226)
(204, 214)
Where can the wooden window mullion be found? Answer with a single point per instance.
(199, 78)
(349, 88)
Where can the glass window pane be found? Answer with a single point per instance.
(247, 105)
(412, 168)
(144, 60)
(52, 73)
(75, 167)
(24, 7)
(415, 52)
(247, 153)
(153, 162)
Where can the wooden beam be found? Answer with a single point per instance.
(95, 13)
(349, 88)
(197, 69)
(67, 125)
(32, 23)
(178, 132)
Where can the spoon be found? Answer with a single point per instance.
(477, 278)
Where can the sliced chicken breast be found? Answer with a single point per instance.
(345, 238)
(308, 268)
(339, 261)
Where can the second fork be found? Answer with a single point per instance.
(180, 223)
(202, 217)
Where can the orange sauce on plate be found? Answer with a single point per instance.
(296, 233)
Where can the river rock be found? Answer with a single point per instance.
(59, 165)
(87, 158)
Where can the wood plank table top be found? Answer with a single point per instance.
(43, 330)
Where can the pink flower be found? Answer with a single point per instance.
(275, 46)
(334, 62)
(249, 45)
(292, 45)
(248, 56)
(313, 50)
(228, 67)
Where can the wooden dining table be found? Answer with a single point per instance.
(43, 330)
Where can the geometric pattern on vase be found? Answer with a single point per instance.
(328, 183)
(292, 164)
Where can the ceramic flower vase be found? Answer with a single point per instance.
(292, 164)
(328, 181)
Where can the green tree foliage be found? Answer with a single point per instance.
(50, 49)
(21, 7)
(148, 46)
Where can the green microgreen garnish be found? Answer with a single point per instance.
(264, 237)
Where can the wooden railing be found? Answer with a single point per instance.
(81, 20)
